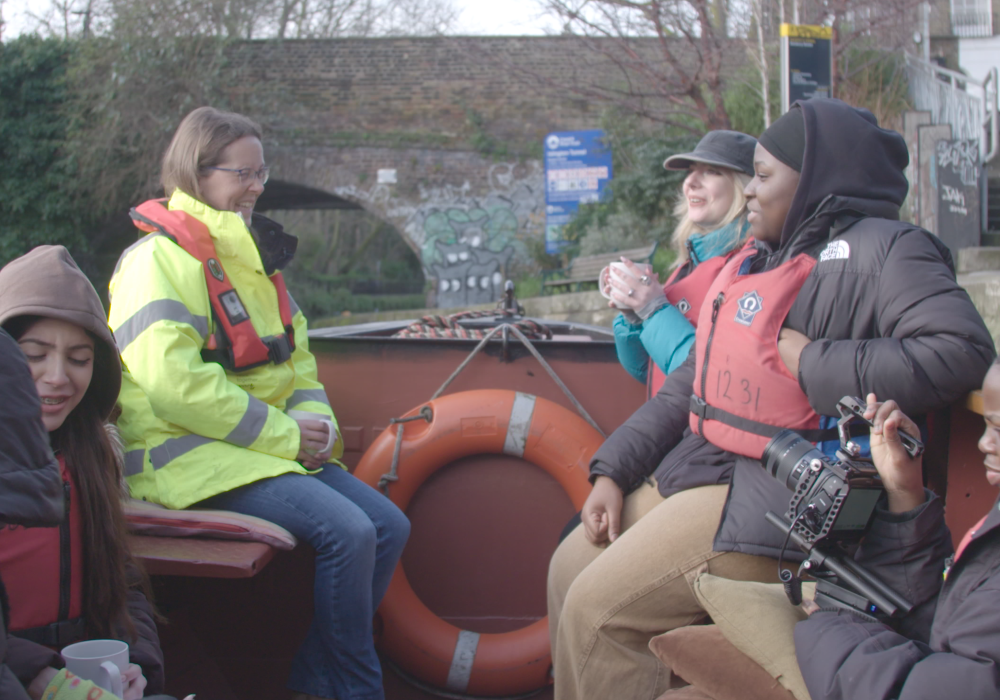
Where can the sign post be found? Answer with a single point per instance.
(577, 169)
(806, 63)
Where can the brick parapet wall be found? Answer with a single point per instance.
(332, 89)
(461, 121)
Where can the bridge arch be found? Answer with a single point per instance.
(468, 218)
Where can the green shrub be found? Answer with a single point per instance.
(38, 181)
(528, 287)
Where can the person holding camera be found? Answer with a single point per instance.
(836, 297)
(949, 646)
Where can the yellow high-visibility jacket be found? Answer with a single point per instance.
(192, 429)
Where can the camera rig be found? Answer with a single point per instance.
(832, 505)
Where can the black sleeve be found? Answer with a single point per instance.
(30, 486)
(144, 650)
(27, 659)
(636, 448)
(908, 551)
(932, 346)
(843, 657)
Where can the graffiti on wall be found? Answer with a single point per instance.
(461, 233)
(958, 206)
(469, 275)
(962, 158)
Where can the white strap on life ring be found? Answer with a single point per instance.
(462, 661)
(519, 425)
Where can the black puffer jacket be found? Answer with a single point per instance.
(948, 648)
(882, 307)
(30, 494)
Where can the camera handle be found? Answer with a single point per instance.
(863, 588)
(851, 408)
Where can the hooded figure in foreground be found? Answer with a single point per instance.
(77, 581)
(824, 305)
(30, 495)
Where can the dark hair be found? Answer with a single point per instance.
(91, 459)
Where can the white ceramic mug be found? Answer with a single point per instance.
(330, 427)
(99, 660)
(603, 280)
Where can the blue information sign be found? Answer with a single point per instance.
(577, 169)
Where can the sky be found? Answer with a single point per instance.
(509, 17)
(484, 17)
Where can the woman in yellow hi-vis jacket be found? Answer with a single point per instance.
(217, 359)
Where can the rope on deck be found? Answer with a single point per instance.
(435, 326)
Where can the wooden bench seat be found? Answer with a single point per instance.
(960, 477)
(967, 493)
(200, 557)
(585, 268)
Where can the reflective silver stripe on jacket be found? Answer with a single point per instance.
(303, 395)
(293, 306)
(145, 239)
(161, 455)
(134, 460)
(159, 310)
(250, 425)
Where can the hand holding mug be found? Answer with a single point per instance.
(103, 661)
(318, 435)
(628, 285)
(133, 683)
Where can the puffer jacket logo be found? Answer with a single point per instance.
(836, 250)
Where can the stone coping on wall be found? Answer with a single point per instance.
(983, 287)
(578, 307)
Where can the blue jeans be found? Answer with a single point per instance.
(358, 535)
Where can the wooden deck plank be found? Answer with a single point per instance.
(191, 556)
(974, 401)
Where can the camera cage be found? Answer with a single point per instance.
(841, 582)
(849, 467)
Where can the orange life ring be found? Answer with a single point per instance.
(475, 422)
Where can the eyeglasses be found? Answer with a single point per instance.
(244, 174)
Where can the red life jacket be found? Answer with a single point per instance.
(42, 569)
(687, 296)
(743, 392)
(235, 344)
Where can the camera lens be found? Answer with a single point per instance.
(787, 456)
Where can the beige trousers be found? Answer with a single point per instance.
(606, 603)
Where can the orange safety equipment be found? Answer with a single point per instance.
(42, 570)
(743, 392)
(235, 344)
(492, 421)
(687, 296)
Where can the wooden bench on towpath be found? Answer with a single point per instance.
(585, 268)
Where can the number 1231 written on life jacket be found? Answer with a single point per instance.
(736, 390)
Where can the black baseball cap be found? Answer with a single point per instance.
(727, 149)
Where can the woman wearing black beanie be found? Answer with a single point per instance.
(822, 306)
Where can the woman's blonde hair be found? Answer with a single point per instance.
(686, 228)
(198, 144)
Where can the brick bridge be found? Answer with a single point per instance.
(441, 137)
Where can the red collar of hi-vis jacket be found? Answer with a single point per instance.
(235, 344)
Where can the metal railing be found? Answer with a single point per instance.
(972, 23)
(969, 106)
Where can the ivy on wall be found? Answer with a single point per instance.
(38, 180)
